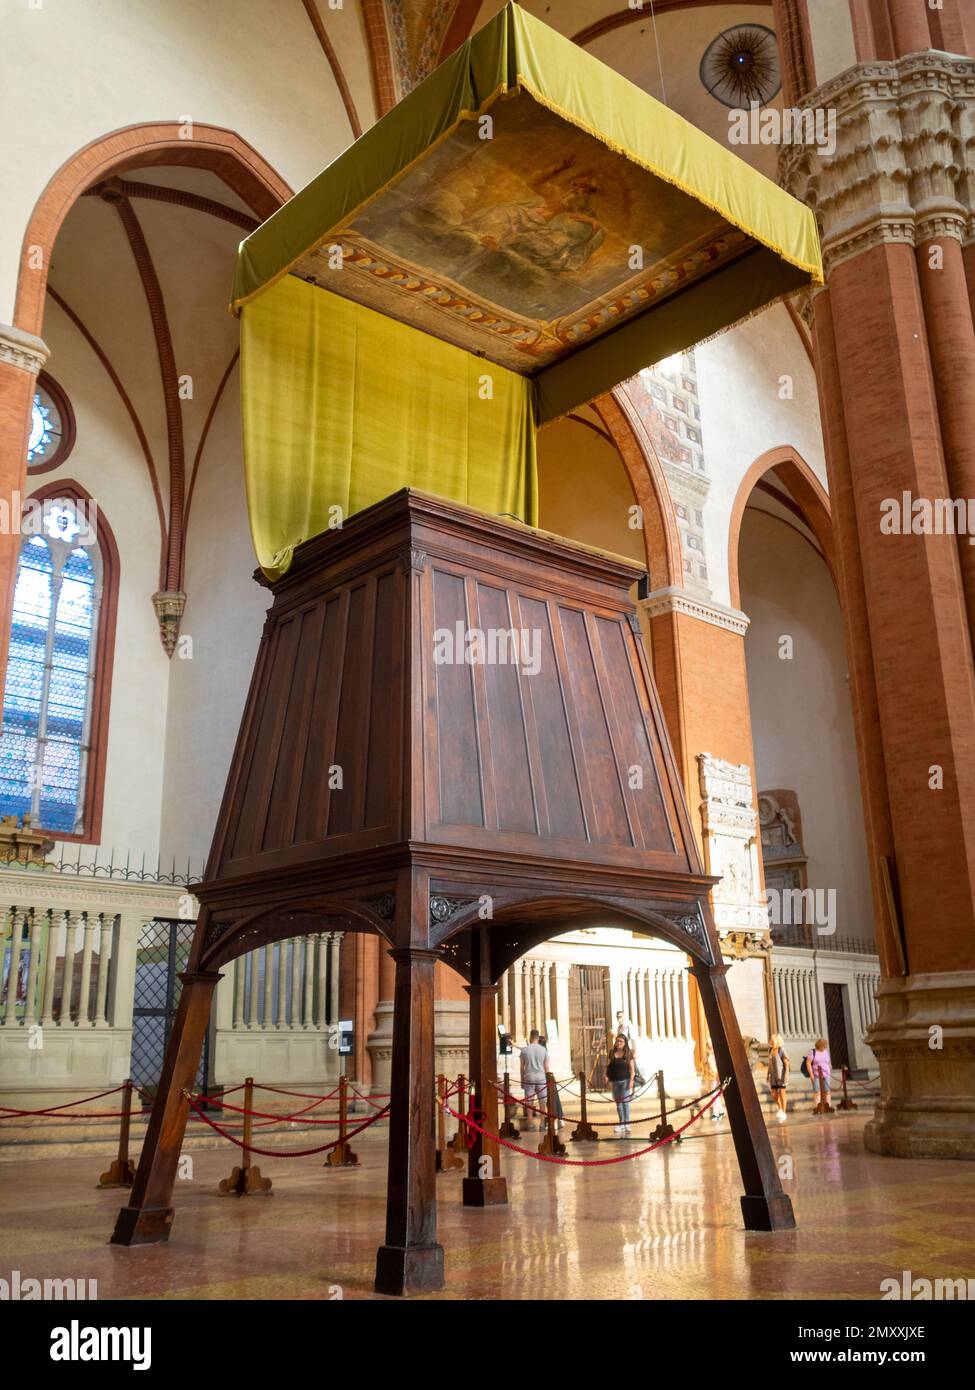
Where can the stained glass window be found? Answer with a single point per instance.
(50, 671)
(51, 427)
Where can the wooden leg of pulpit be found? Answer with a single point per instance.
(764, 1205)
(149, 1215)
(484, 1185)
(411, 1261)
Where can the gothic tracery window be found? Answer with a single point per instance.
(51, 434)
(48, 700)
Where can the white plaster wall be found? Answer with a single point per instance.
(802, 723)
(252, 66)
(224, 613)
(106, 461)
(743, 415)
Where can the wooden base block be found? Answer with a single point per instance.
(245, 1182)
(768, 1213)
(341, 1157)
(142, 1226)
(485, 1192)
(661, 1133)
(119, 1174)
(552, 1146)
(448, 1161)
(584, 1133)
(417, 1269)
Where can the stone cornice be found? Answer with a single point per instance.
(903, 170)
(674, 600)
(22, 350)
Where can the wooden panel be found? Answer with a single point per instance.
(546, 698)
(298, 720)
(263, 753)
(609, 823)
(345, 807)
(386, 684)
(651, 822)
(456, 727)
(313, 796)
(505, 740)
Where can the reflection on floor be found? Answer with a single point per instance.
(663, 1226)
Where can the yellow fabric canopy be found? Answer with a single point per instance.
(342, 405)
(526, 208)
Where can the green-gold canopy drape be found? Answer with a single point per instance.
(525, 230)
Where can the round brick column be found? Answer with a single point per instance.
(895, 356)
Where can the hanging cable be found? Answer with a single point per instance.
(656, 44)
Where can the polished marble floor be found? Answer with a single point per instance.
(666, 1225)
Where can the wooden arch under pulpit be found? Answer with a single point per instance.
(505, 775)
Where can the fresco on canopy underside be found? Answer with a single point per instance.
(528, 244)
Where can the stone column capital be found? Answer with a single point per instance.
(22, 350)
(899, 163)
(676, 600)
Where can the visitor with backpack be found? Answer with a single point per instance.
(818, 1067)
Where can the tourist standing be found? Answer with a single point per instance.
(620, 1071)
(820, 1070)
(534, 1065)
(624, 1027)
(778, 1075)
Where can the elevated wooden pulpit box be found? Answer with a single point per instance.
(452, 739)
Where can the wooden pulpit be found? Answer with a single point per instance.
(452, 739)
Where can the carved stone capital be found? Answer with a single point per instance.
(169, 605)
(676, 600)
(903, 167)
(22, 350)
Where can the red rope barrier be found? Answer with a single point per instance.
(282, 1153)
(267, 1115)
(583, 1162)
(300, 1095)
(384, 1095)
(597, 1124)
(635, 1096)
(53, 1109)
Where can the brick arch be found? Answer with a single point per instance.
(660, 532)
(807, 491)
(214, 148)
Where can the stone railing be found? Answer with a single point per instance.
(69, 949)
(275, 1012)
(71, 945)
